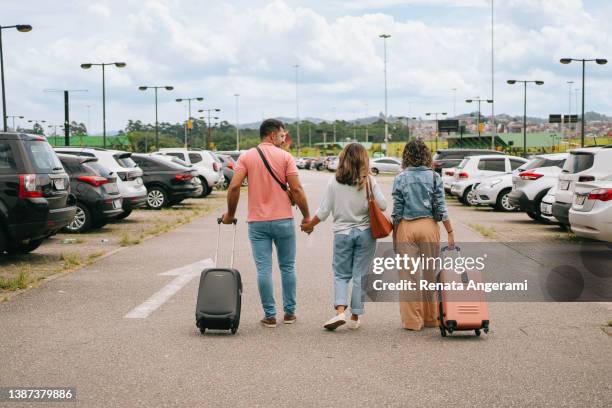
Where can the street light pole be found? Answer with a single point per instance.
(103, 64)
(24, 28)
(198, 98)
(297, 110)
(384, 37)
(436, 119)
(66, 93)
(512, 82)
(13, 117)
(208, 128)
(599, 61)
(569, 108)
(144, 88)
(477, 99)
(237, 122)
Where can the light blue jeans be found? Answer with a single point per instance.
(282, 233)
(353, 254)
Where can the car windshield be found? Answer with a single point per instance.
(42, 156)
(577, 162)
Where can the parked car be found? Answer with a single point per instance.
(332, 165)
(591, 212)
(494, 190)
(35, 199)
(582, 165)
(228, 164)
(167, 183)
(448, 178)
(385, 165)
(205, 163)
(531, 185)
(546, 205)
(447, 158)
(301, 162)
(198, 192)
(96, 191)
(473, 169)
(129, 175)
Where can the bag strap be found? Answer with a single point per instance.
(368, 186)
(265, 161)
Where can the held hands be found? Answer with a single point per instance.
(307, 225)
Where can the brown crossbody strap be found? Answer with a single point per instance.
(265, 161)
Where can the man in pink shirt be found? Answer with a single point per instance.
(270, 216)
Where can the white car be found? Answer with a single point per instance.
(473, 169)
(546, 205)
(583, 165)
(333, 164)
(205, 162)
(129, 175)
(531, 185)
(385, 165)
(448, 178)
(591, 212)
(494, 191)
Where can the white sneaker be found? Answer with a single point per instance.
(335, 322)
(354, 324)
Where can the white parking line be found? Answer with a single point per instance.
(184, 275)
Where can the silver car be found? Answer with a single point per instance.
(531, 185)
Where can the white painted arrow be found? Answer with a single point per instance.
(184, 275)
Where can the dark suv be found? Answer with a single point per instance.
(35, 199)
(96, 191)
(167, 183)
(447, 158)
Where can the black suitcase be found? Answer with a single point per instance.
(219, 295)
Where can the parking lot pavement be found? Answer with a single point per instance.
(73, 332)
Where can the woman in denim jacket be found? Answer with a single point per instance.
(418, 206)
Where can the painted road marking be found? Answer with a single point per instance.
(184, 275)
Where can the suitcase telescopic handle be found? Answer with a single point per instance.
(219, 222)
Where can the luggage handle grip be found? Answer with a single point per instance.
(220, 221)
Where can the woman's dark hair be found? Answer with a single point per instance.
(268, 126)
(353, 165)
(416, 153)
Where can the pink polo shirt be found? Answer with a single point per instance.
(267, 200)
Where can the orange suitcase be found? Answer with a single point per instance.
(461, 310)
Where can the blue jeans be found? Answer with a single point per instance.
(353, 254)
(261, 235)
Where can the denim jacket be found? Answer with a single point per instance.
(412, 194)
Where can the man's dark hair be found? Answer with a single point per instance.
(268, 126)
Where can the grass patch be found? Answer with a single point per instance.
(484, 231)
(18, 282)
(128, 240)
(71, 260)
(92, 257)
(609, 323)
(570, 237)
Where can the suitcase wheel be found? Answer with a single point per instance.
(486, 330)
(202, 330)
(233, 330)
(477, 331)
(442, 331)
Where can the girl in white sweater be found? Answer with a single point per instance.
(345, 199)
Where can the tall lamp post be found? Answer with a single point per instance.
(208, 135)
(477, 99)
(384, 37)
(600, 61)
(38, 122)
(435, 114)
(198, 98)
(144, 88)
(103, 64)
(24, 28)
(13, 117)
(297, 110)
(237, 123)
(569, 107)
(512, 82)
(66, 111)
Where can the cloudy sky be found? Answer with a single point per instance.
(215, 49)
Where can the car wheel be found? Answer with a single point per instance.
(81, 221)
(157, 198)
(123, 215)
(24, 248)
(205, 187)
(375, 171)
(503, 201)
(468, 198)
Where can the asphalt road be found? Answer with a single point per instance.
(72, 332)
